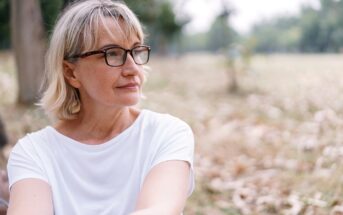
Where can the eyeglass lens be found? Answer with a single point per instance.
(117, 56)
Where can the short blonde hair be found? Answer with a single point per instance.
(76, 31)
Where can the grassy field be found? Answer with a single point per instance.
(273, 147)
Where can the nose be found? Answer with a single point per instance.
(130, 67)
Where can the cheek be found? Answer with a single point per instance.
(102, 82)
(97, 78)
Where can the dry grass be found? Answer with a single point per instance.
(275, 147)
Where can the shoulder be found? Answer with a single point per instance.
(33, 140)
(164, 123)
(163, 120)
(160, 119)
(29, 157)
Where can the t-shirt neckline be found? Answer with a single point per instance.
(105, 144)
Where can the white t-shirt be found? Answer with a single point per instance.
(101, 179)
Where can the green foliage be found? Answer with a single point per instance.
(195, 42)
(157, 16)
(322, 29)
(160, 21)
(314, 30)
(221, 35)
(280, 34)
(167, 23)
(50, 10)
(146, 10)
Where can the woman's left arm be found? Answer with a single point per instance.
(165, 189)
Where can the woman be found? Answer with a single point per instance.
(103, 155)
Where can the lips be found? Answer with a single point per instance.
(128, 86)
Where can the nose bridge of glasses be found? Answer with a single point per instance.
(124, 55)
(129, 51)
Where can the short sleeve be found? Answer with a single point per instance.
(177, 143)
(24, 163)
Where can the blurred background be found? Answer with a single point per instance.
(260, 83)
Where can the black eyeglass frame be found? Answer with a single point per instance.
(105, 50)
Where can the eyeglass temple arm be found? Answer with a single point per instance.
(87, 54)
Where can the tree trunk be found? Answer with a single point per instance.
(3, 136)
(28, 42)
(231, 72)
(4, 192)
(232, 83)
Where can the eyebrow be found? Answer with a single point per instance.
(115, 45)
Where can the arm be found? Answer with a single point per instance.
(30, 197)
(165, 189)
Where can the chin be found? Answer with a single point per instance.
(131, 101)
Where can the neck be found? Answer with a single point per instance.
(94, 127)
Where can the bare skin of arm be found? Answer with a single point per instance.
(30, 197)
(165, 189)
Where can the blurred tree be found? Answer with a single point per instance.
(146, 10)
(281, 34)
(323, 28)
(3, 135)
(28, 42)
(50, 10)
(311, 37)
(158, 17)
(194, 42)
(221, 35)
(314, 30)
(160, 22)
(4, 24)
(167, 28)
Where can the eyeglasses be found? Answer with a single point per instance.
(116, 56)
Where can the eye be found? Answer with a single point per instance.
(114, 52)
(139, 50)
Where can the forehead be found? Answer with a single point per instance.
(117, 32)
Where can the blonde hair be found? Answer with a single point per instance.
(76, 31)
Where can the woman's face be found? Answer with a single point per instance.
(103, 86)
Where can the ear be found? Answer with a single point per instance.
(69, 74)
